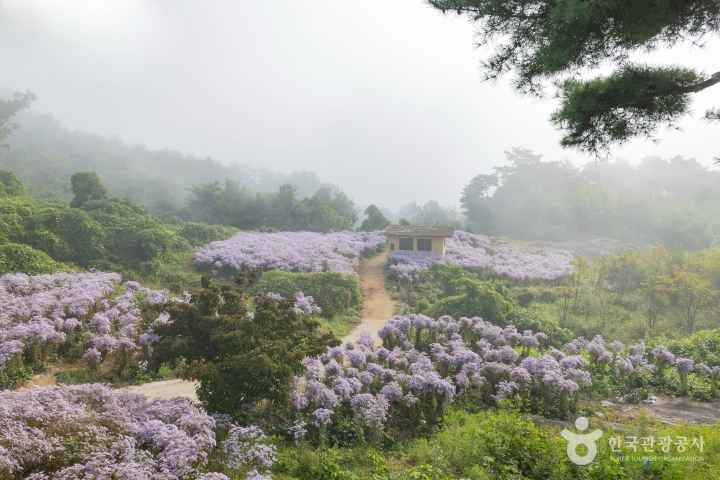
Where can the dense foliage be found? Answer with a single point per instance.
(498, 444)
(326, 210)
(335, 293)
(15, 257)
(243, 350)
(675, 202)
(633, 295)
(540, 40)
(289, 251)
(374, 220)
(98, 232)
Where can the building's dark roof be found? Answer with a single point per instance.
(419, 230)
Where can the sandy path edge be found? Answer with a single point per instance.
(378, 307)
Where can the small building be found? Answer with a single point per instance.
(418, 238)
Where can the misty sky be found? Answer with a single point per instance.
(383, 98)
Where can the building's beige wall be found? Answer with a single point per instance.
(438, 244)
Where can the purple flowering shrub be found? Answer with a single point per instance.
(423, 366)
(289, 251)
(91, 431)
(248, 449)
(632, 372)
(487, 254)
(426, 364)
(66, 314)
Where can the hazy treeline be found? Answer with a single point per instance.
(328, 209)
(675, 202)
(45, 154)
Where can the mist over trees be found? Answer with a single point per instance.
(430, 213)
(44, 155)
(675, 201)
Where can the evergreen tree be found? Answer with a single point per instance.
(543, 40)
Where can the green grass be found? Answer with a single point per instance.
(501, 445)
(341, 325)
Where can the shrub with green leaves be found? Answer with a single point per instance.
(335, 293)
(16, 257)
(198, 234)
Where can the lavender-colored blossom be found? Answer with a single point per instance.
(90, 431)
(305, 305)
(289, 251)
(323, 416)
(685, 365)
(663, 356)
(248, 447)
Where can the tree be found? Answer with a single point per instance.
(244, 357)
(86, 186)
(693, 293)
(10, 184)
(375, 220)
(475, 201)
(544, 40)
(9, 108)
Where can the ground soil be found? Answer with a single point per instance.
(378, 307)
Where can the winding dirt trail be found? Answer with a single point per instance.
(378, 307)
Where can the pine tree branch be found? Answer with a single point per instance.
(707, 83)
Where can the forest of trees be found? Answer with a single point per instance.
(44, 155)
(675, 202)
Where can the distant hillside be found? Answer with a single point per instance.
(44, 154)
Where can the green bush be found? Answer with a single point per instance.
(15, 257)
(476, 298)
(10, 184)
(336, 293)
(14, 374)
(702, 346)
(198, 234)
(502, 443)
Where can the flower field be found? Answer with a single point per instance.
(94, 315)
(96, 312)
(425, 364)
(91, 431)
(289, 251)
(482, 253)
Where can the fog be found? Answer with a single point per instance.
(384, 99)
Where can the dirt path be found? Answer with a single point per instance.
(166, 389)
(672, 410)
(378, 307)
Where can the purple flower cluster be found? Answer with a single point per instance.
(248, 448)
(289, 251)
(91, 431)
(615, 358)
(424, 365)
(94, 309)
(306, 305)
(483, 253)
